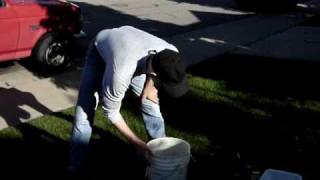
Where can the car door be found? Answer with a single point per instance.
(9, 31)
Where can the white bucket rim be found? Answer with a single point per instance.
(272, 172)
(156, 149)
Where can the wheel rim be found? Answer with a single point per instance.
(55, 54)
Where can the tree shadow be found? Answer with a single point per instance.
(98, 17)
(232, 5)
(70, 79)
(309, 6)
(12, 102)
(306, 6)
(312, 22)
(226, 4)
(281, 78)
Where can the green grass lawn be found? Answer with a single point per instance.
(238, 118)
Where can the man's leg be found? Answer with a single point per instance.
(151, 114)
(85, 108)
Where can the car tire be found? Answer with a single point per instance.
(52, 52)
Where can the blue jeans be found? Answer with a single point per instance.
(88, 99)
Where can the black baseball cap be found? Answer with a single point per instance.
(171, 71)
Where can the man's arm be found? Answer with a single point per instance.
(114, 91)
(150, 91)
(140, 146)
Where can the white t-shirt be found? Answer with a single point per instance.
(124, 51)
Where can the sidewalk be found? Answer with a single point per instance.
(30, 97)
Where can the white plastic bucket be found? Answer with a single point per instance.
(170, 159)
(273, 174)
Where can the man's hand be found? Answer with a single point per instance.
(139, 145)
(150, 91)
(143, 151)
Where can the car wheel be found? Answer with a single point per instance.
(52, 52)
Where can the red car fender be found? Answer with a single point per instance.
(31, 31)
(25, 45)
(24, 23)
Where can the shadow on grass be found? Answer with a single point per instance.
(285, 137)
(109, 156)
(41, 154)
(36, 155)
(278, 78)
(242, 143)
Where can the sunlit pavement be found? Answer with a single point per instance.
(200, 31)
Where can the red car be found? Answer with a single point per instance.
(42, 29)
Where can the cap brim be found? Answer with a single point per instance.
(175, 90)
